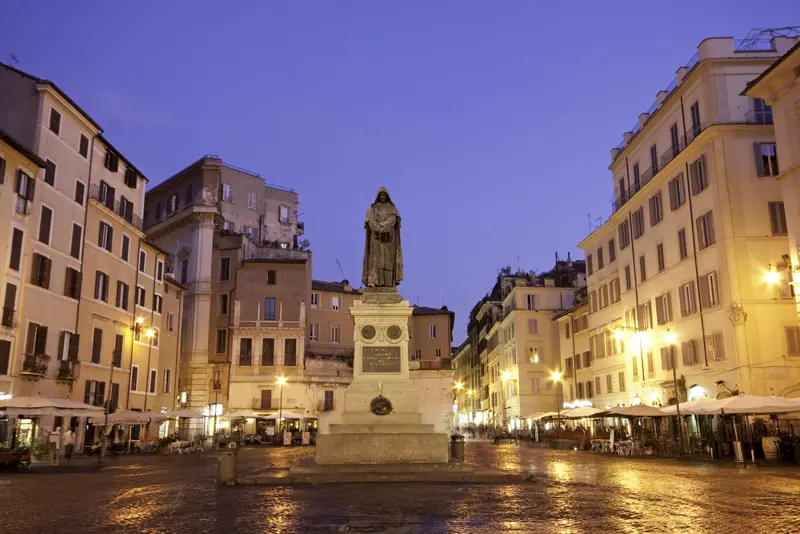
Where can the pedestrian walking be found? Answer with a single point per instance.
(68, 443)
(54, 441)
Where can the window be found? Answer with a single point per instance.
(536, 386)
(2, 173)
(624, 235)
(698, 176)
(249, 230)
(593, 302)
(687, 294)
(126, 245)
(589, 265)
(674, 140)
(777, 218)
(432, 331)
(131, 178)
(225, 269)
(142, 261)
(637, 222)
(188, 196)
(97, 345)
(159, 270)
(792, 340)
(597, 388)
(134, 377)
(695, 112)
(335, 333)
(229, 226)
(158, 302)
(246, 351)
(315, 300)
(267, 351)
(766, 159)
(645, 314)
(116, 356)
(83, 148)
(313, 332)
(167, 377)
(677, 192)
(45, 223)
(271, 277)
(566, 329)
(101, 286)
(269, 309)
(642, 268)
(651, 368)
(705, 230)
(660, 257)
(603, 297)
(663, 309)
(290, 352)
(126, 209)
(121, 300)
(656, 209)
(636, 182)
(222, 341)
(715, 347)
(223, 304)
(709, 290)
(140, 296)
(530, 301)
(251, 200)
(612, 251)
(609, 384)
(80, 192)
(184, 271)
(621, 376)
(627, 278)
(77, 239)
(689, 355)
(151, 387)
(600, 260)
(25, 187)
(635, 368)
(106, 236)
(614, 289)
(418, 354)
(40, 271)
(72, 283)
(283, 214)
(226, 193)
(94, 393)
(112, 161)
(55, 121)
(682, 250)
(170, 322)
(36, 342)
(668, 358)
(334, 303)
(533, 326)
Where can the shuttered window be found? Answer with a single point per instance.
(687, 296)
(689, 352)
(793, 340)
(663, 309)
(777, 218)
(698, 176)
(715, 347)
(709, 290)
(666, 358)
(677, 192)
(682, 249)
(766, 159)
(705, 230)
(637, 221)
(656, 209)
(97, 345)
(624, 235)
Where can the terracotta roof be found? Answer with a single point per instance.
(425, 310)
(333, 287)
(16, 145)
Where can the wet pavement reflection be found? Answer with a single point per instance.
(573, 492)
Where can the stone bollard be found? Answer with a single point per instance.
(226, 466)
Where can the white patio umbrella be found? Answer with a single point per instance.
(579, 413)
(37, 406)
(285, 415)
(749, 404)
(186, 414)
(128, 417)
(636, 411)
(541, 415)
(687, 408)
(243, 414)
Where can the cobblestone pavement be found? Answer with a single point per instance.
(574, 492)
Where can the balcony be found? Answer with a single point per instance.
(66, 370)
(8, 318)
(123, 209)
(22, 205)
(35, 364)
(763, 116)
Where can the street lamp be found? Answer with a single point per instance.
(281, 381)
(504, 377)
(771, 276)
(670, 338)
(456, 388)
(556, 377)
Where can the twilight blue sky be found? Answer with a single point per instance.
(489, 122)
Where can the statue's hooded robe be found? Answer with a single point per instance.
(383, 254)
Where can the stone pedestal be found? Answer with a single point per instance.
(380, 369)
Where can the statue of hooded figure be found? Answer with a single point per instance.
(383, 254)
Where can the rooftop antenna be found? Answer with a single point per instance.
(341, 271)
(13, 58)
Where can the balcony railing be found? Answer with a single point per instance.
(66, 370)
(22, 205)
(763, 116)
(123, 209)
(35, 364)
(203, 198)
(753, 45)
(8, 318)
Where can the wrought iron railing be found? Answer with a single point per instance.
(755, 116)
(123, 209)
(66, 370)
(22, 205)
(753, 45)
(35, 364)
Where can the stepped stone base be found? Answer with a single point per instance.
(381, 445)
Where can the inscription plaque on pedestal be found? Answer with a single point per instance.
(380, 360)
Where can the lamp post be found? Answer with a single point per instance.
(504, 376)
(556, 376)
(216, 385)
(671, 339)
(281, 382)
(456, 389)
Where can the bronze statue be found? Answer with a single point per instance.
(383, 254)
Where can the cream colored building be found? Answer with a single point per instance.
(576, 354)
(698, 220)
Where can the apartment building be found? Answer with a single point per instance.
(679, 275)
(330, 329)
(79, 271)
(507, 376)
(576, 355)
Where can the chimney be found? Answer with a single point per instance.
(681, 73)
(660, 97)
(614, 153)
(346, 284)
(643, 118)
(626, 137)
(549, 282)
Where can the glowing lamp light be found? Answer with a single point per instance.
(618, 334)
(506, 375)
(556, 376)
(771, 276)
(653, 396)
(281, 380)
(470, 392)
(637, 401)
(670, 338)
(150, 333)
(459, 386)
(140, 320)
